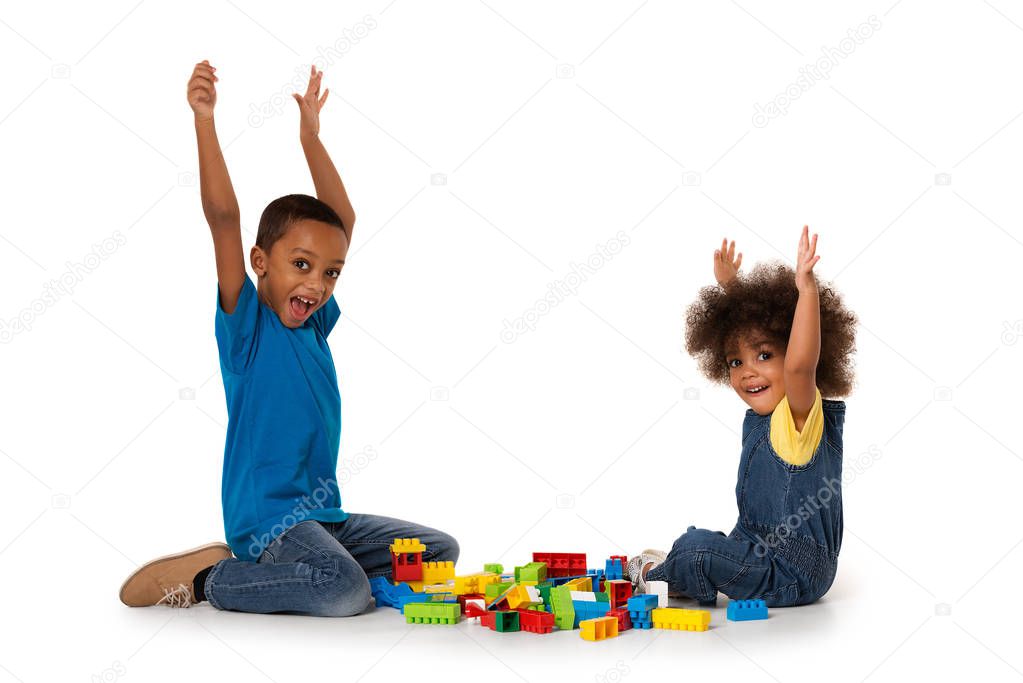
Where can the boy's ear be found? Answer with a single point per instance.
(258, 259)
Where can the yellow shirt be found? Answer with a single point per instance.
(794, 447)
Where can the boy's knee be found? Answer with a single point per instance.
(345, 594)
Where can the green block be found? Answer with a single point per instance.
(506, 622)
(493, 568)
(432, 613)
(564, 612)
(602, 597)
(495, 589)
(534, 571)
(545, 593)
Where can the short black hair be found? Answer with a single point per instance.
(282, 212)
(765, 300)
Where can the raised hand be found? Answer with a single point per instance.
(202, 91)
(726, 264)
(309, 105)
(805, 261)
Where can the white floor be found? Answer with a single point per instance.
(876, 623)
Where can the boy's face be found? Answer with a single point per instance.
(305, 262)
(755, 361)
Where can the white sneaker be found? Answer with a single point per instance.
(634, 569)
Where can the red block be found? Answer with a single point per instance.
(562, 564)
(619, 592)
(622, 614)
(536, 622)
(469, 596)
(407, 566)
(488, 619)
(473, 610)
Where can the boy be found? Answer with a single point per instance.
(295, 549)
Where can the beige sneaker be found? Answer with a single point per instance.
(167, 580)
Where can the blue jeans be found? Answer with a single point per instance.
(320, 568)
(703, 562)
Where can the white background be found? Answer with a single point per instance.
(553, 127)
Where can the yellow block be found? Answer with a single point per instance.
(438, 572)
(407, 545)
(680, 619)
(600, 628)
(584, 584)
(473, 583)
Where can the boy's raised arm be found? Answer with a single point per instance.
(219, 203)
(329, 188)
(804, 347)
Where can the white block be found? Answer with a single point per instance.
(660, 589)
(534, 594)
(582, 595)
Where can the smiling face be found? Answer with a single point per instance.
(304, 264)
(755, 361)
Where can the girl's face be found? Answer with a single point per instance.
(304, 263)
(755, 362)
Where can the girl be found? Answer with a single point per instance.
(781, 342)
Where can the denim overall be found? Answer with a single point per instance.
(784, 547)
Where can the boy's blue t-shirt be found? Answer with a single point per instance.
(284, 422)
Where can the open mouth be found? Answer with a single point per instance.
(300, 307)
(757, 389)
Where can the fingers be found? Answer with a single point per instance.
(324, 100)
(738, 261)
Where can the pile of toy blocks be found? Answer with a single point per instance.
(554, 590)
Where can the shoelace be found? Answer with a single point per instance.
(178, 596)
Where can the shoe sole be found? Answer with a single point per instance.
(224, 552)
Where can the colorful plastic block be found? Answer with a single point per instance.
(423, 599)
(534, 571)
(432, 613)
(475, 609)
(746, 610)
(564, 610)
(522, 596)
(641, 603)
(493, 568)
(387, 595)
(681, 619)
(622, 615)
(533, 621)
(407, 559)
(613, 569)
(601, 628)
(505, 621)
(583, 583)
(438, 572)
(660, 589)
(493, 590)
(619, 592)
(562, 564)
(585, 609)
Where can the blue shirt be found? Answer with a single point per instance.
(284, 422)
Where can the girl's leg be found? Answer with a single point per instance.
(367, 538)
(303, 571)
(703, 562)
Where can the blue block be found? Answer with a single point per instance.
(424, 597)
(585, 609)
(746, 610)
(385, 594)
(613, 569)
(641, 603)
(642, 624)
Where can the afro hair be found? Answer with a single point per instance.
(765, 300)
